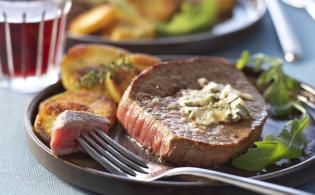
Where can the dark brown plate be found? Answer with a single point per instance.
(245, 15)
(80, 170)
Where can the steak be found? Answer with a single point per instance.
(69, 125)
(145, 113)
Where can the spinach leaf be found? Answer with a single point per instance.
(276, 84)
(288, 145)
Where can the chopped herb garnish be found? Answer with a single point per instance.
(89, 79)
(122, 63)
(97, 75)
(288, 144)
(278, 87)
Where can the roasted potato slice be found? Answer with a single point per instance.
(112, 88)
(94, 20)
(156, 10)
(143, 61)
(225, 7)
(82, 60)
(125, 31)
(71, 100)
(116, 84)
(129, 26)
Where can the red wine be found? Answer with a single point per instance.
(31, 37)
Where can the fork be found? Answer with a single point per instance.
(120, 161)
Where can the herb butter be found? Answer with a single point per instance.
(214, 103)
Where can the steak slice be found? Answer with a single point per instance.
(145, 113)
(68, 127)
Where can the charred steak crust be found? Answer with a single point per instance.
(144, 113)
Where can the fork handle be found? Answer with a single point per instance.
(242, 182)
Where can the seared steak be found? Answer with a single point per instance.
(69, 125)
(146, 114)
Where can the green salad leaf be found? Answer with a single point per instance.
(191, 17)
(243, 60)
(277, 86)
(288, 145)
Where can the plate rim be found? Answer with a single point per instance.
(30, 133)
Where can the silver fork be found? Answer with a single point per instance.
(118, 160)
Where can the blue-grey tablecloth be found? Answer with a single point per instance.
(21, 174)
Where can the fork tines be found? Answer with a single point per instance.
(112, 156)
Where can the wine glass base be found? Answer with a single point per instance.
(29, 84)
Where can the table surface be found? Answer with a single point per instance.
(21, 174)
